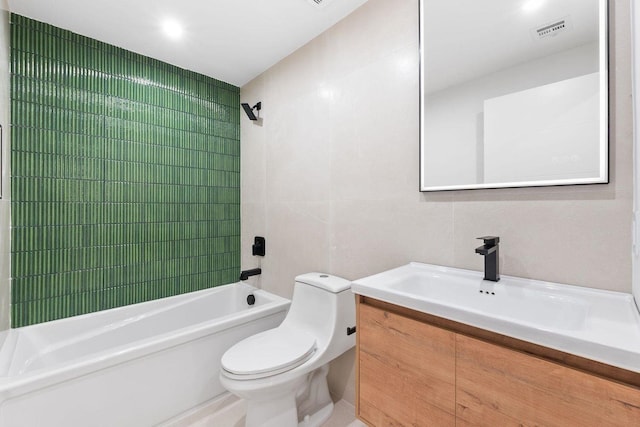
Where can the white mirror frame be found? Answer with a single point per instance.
(603, 177)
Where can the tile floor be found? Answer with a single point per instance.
(343, 416)
(229, 412)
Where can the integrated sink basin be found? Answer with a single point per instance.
(599, 325)
(541, 308)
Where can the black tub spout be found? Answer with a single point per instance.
(245, 274)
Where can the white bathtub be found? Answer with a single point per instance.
(133, 366)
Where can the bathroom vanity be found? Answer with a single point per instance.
(435, 348)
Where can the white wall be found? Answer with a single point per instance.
(5, 202)
(545, 133)
(635, 7)
(331, 177)
(454, 116)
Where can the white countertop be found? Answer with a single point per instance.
(600, 325)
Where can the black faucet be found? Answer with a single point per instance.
(245, 274)
(491, 253)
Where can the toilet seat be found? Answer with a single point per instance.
(268, 353)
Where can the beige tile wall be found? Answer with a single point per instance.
(330, 175)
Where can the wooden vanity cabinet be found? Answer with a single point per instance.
(406, 370)
(415, 369)
(497, 386)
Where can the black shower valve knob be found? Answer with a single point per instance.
(259, 246)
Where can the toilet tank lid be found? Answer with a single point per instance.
(325, 281)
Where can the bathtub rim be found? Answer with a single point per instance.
(14, 386)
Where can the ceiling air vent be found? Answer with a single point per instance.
(552, 29)
(319, 3)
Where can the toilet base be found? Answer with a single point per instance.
(288, 418)
(276, 412)
(304, 402)
(319, 418)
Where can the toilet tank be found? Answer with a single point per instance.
(324, 305)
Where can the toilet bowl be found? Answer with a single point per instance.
(282, 372)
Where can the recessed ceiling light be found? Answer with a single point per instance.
(172, 29)
(532, 5)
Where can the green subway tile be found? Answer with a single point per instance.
(125, 176)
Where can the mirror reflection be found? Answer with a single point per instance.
(513, 93)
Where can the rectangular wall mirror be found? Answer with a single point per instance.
(513, 93)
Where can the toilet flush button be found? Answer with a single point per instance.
(324, 281)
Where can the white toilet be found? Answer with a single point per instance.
(282, 372)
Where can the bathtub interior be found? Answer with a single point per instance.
(40, 346)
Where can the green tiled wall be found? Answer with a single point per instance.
(125, 176)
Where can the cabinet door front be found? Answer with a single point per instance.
(502, 387)
(406, 371)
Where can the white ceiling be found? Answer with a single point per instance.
(466, 39)
(230, 40)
